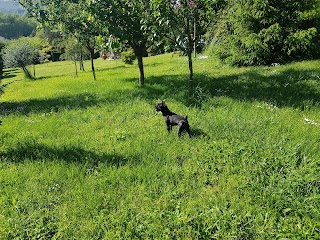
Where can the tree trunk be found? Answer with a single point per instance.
(140, 51)
(141, 70)
(190, 73)
(26, 72)
(75, 65)
(92, 64)
(189, 50)
(194, 38)
(81, 62)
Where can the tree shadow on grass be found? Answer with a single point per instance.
(121, 67)
(31, 151)
(289, 88)
(10, 73)
(69, 102)
(84, 100)
(162, 87)
(51, 104)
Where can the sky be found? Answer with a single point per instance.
(10, 6)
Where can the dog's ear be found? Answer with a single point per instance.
(163, 103)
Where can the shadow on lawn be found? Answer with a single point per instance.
(7, 73)
(10, 73)
(39, 152)
(49, 105)
(291, 88)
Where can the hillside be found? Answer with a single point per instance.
(10, 6)
(84, 159)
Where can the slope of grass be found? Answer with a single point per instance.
(92, 160)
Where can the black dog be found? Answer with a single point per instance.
(172, 119)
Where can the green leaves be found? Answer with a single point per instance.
(285, 30)
(302, 42)
(19, 54)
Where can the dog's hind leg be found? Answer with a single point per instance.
(183, 126)
(188, 130)
(180, 129)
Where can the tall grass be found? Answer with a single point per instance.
(84, 159)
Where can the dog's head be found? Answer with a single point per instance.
(161, 107)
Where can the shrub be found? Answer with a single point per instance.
(262, 32)
(302, 42)
(128, 57)
(19, 54)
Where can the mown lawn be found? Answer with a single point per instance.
(84, 159)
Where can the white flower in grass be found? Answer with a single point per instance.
(312, 122)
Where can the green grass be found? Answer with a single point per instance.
(92, 160)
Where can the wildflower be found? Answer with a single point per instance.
(312, 122)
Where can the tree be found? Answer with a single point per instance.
(70, 17)
(183, 22)
(259, 32)
(131, 22)
(73, 51)
(37, 44)
(19, 54)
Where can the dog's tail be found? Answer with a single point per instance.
(186, 118)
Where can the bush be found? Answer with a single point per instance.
(128, 57)
(301, 43)
(261, 32)
(19, 54)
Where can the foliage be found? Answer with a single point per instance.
(263, 32)
(69, 17)
(184, 22)
(130, 21)
(128, 57)
(19, 54)
(92, 160)
(74, 51)
(15, 26)
(110, 44)
(25, 51)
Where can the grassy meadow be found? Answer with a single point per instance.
(84, 159)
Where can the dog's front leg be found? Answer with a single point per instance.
(188, 130)
(168, 123)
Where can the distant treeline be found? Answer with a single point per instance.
(14, 26)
